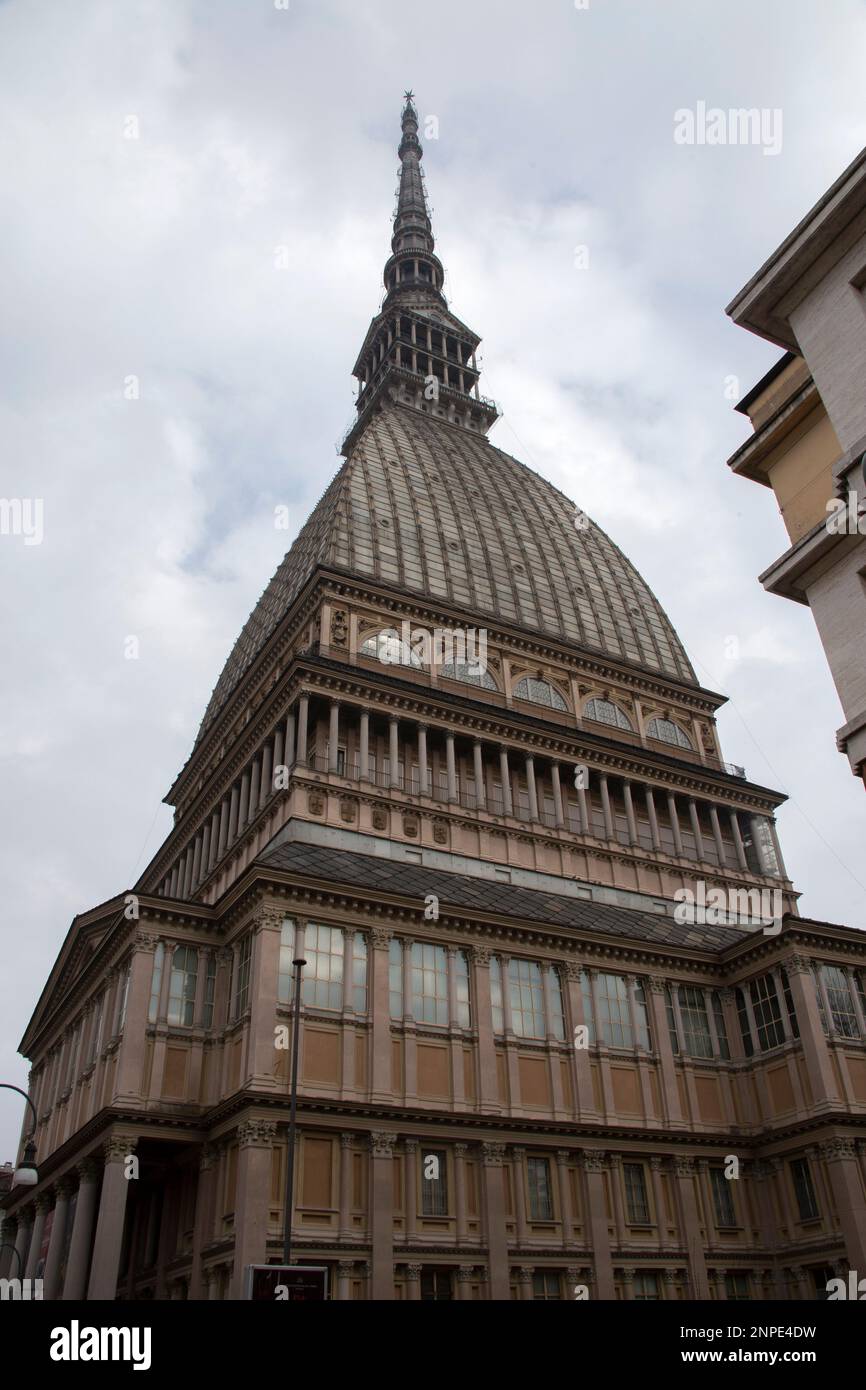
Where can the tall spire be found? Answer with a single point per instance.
(417, 353)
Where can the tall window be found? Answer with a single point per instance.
(540, 1192)
(539, 693)
(96, 1029)
(634, 1178)
(696, 1026)
(745, 1026)
(430, 983)
(209, 991)
(723, 1198)
(181, 986)
(547, 1286)
(534, 997)
(721, 1027)
(646, 1287)
(156, 982)
(329, 953)
(841, 1001)
(606, 712)
(666, 731)
(737, 1289)
(124, 996)
(804, 1190)
(434, 1182)
(623, 1018)
(74, 1051)
(242, 976)
(768, 1015)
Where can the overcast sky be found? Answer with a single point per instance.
(156, 157)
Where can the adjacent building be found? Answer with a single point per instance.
(563, 1029)
(809, 420)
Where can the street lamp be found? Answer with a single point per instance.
(26, 1174)
(293, 1109)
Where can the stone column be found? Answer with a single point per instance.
(843, 1170)
(213, 851)
(244, 804)
(738, 842)
(653, 818)
(334, 739)
(266, 786)
(303, 725)
(380, 1013)
(460, 1152)
(478, 768)
(451, 767)
(43, 1205)
(488, 1099)
(675, 825)
(196, 861)
(557, 796)
(670, 1091)
(410, 1170)
(77, 1266)
(423, 763)
(382, 1214)
(700, 852)
(819, 1064)
(108, 1241)
(22, 1239)
(685, 1171)
(493, 1197)
(224, 827)
(203, 1221)
(413, 1282)
(518, 1174)
(584, 1097)
(531, 788)
(585, 817)
(289, 740)
(594, 1165)
(347, 1142)
(629, 813)
(364, 751)
(129, 1074)
(394, 751)
(505, 777)
(264, 973)
(656, 1166)
(465, 1277)
(717, 834)
(234, 809)
(606, 808)
(345, 1270)
(256, 1140)
(627, 1280)
(563, 1158)
(524, 1282)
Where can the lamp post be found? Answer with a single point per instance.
(26, 1174)
(293, 1110)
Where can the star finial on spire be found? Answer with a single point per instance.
(409, 96)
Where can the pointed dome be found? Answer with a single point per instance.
(429, 508)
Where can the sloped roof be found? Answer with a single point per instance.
(507, 900)
(440, 512)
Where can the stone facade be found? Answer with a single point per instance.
(524, 1073)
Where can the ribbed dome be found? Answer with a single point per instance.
(440, 512)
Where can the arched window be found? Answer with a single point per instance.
(390, 649)
(666, 731)
(539, 693)
(606, 712)
(468, 673)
